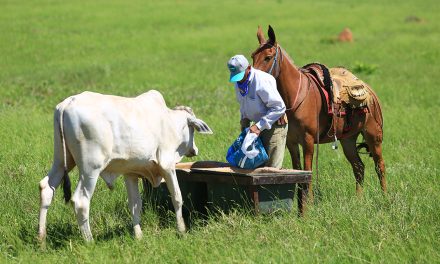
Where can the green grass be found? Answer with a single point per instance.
(50, 50)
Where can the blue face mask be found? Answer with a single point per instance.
(244, 87)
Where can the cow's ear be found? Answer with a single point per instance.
(199, 125)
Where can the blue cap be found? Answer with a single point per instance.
(237, 66)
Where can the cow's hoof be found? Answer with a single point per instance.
(181, 228)
(42, 241)
(88, 238)
(138, 232)
(359, 191)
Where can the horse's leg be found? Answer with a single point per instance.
(350, 152)
(308, 150)
(305, 190)
(373, 137)
(293, 148)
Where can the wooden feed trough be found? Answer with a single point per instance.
(210, 186)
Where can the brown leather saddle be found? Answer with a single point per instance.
(349, 89)
(342, 91)
(338, 86)
(320, 76)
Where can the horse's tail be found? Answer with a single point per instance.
(376, 111)
(361, 146)
(375, 108)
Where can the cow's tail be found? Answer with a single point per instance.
(66, 180)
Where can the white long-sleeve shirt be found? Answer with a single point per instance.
(263, 103)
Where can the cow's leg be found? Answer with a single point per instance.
(176, 197)
(350, 152)
(134, 203)
(55, 176)
(47, 190)
(81, 200)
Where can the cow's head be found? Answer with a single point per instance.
(188, 146)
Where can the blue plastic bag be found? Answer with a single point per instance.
(237, 158)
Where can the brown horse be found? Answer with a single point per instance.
(308, 113)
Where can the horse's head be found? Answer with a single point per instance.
(267, 55)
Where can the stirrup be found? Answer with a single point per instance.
(335, 143)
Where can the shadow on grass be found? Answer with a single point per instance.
(158, 200)
(115, 232)
(158, 209)
(167, 216)
(317, 195)
(59, 235)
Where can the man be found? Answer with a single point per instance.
(261, 103)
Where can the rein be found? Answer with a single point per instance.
(296, 96)
(275, 60)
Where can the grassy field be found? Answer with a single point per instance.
(50, 50)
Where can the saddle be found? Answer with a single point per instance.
(320, 76)
(349, 89)
(342, 91)
(338, 86)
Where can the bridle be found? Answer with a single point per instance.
(275, 59)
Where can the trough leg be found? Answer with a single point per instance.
(253, 193)
(302, 198)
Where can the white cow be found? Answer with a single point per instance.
(107, 136)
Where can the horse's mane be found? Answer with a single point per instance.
(285, 54)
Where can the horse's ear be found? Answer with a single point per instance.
(271, 35)
(260, 36)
